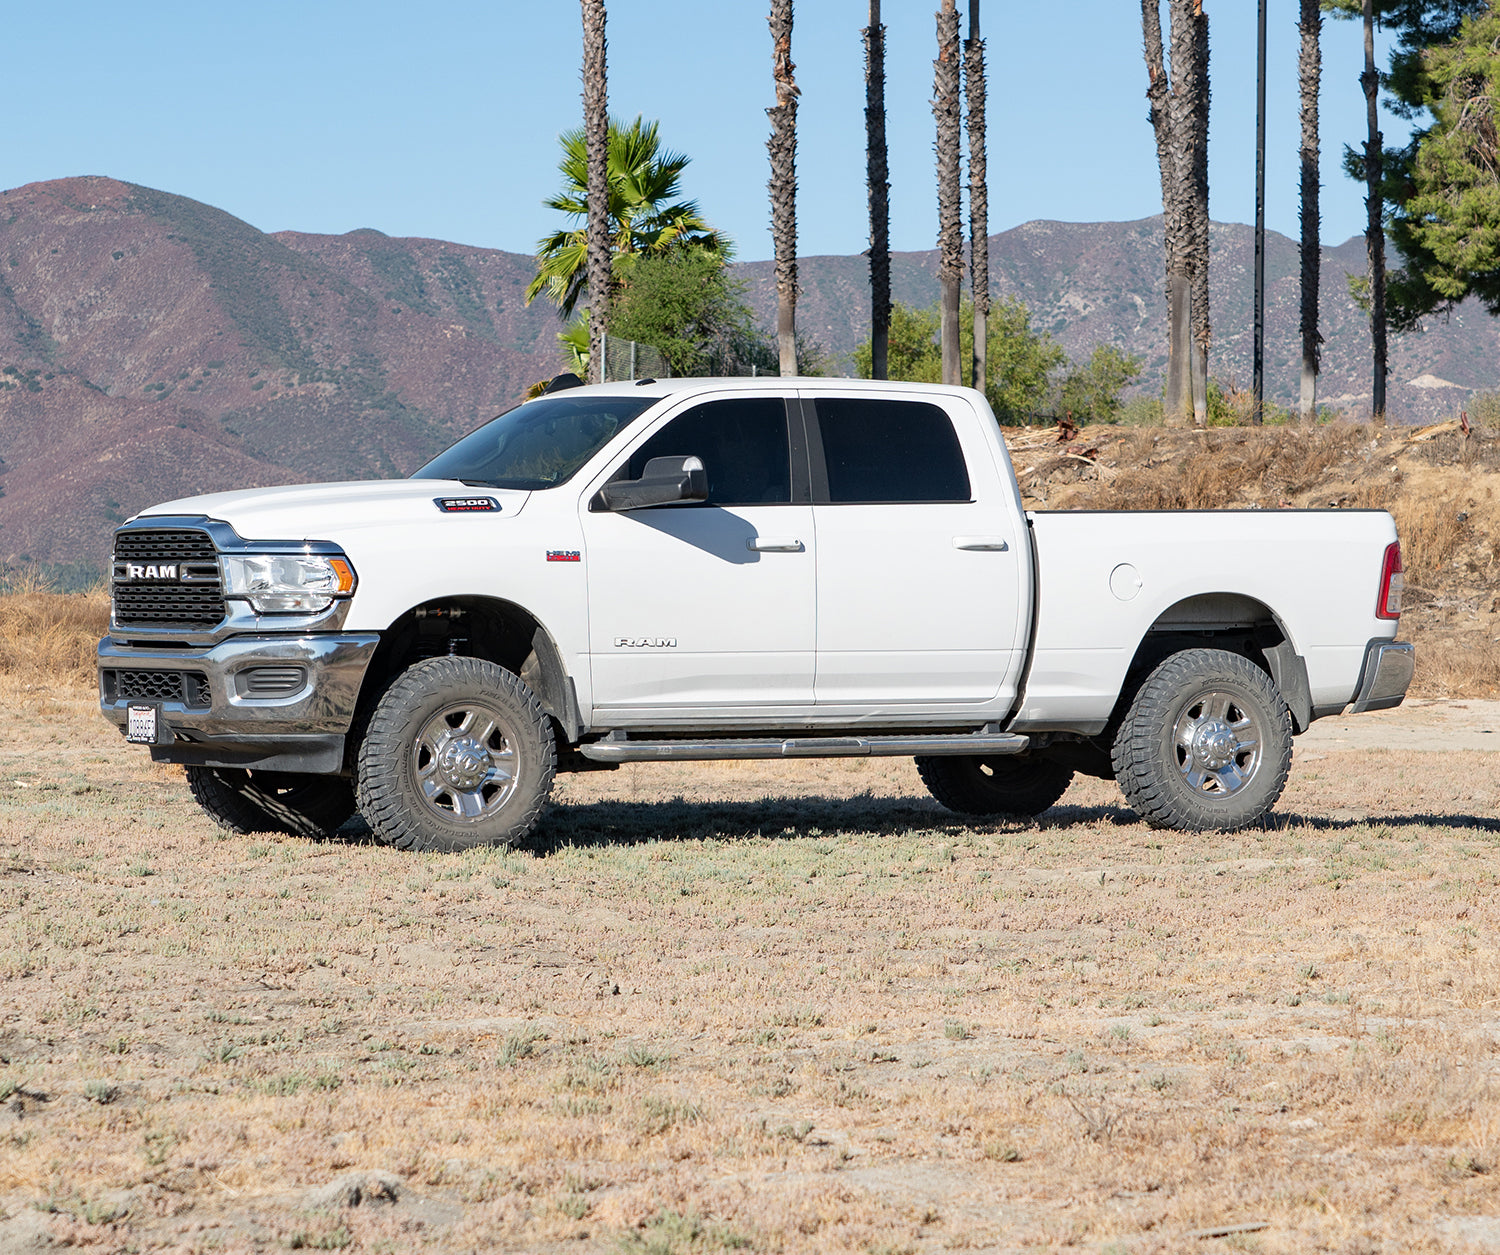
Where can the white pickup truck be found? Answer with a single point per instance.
(749, 568)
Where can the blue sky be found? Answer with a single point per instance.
(441, 120)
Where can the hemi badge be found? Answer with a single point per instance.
(466, 505)
(564, 555)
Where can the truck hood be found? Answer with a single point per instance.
(326, 511)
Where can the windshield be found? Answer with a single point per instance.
(539, 444)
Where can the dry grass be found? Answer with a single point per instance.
(50, 638)
(1442, 490)
(768, 1007)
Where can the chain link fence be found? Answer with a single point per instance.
(625, 360)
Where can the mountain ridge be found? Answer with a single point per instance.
(152, 346)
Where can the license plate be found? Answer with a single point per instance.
(140, 725)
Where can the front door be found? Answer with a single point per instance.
(711, 606)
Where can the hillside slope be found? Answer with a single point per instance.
(1100, 283)
(152, 346)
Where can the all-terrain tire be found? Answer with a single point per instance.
(272, 801)
(1003, 784)
(1206, 744)
(458, 753)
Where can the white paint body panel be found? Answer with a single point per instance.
(880, 620)
(1318, 571)
(907, 618)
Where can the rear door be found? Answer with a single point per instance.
(922, 585)
(712, 605)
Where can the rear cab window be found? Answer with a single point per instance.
(887, 451)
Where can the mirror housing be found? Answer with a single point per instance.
(665, 481)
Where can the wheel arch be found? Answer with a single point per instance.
(1236, 622)
(499, 631)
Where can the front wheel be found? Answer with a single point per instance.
(1206, 745)
(997, 785)
(272, 801)
(458, 753)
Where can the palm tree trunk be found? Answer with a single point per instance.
(877, 175)
(1178, 395)
(1202, 328)
(1189, 222)
(596, 140)
(945, 111)
(1309, 75)
(979, 197)
(783, 186)
(1374, 228)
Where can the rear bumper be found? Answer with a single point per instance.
(219, 714)
(1386, 675)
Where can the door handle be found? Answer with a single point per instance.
(994, 543)
(765, 544)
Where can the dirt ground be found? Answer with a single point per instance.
(766, 1007)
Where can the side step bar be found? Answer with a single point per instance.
(617, 749)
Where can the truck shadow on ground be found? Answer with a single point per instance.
(625, 823)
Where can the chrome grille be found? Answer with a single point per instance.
(194, 600)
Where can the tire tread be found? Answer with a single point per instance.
(383, 749)
(1138, 768)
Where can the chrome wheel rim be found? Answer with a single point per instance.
(1218, 740)
(464, 762)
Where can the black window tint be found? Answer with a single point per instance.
(742, 443)
(890, 451)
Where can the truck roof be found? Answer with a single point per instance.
(670, 387)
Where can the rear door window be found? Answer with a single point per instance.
(890, 451)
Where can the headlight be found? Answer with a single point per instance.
(278, 583)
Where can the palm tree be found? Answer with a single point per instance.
(642, 214)
(945, 112)
(782, 147)
(1163, 117)
(1309, 73)
(880, 194)
(1374, 205)
(596, 180)
(1196, 107)
(979, 195)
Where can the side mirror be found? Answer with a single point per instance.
(665, 481)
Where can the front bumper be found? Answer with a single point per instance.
(218, 713)
(1386, 675)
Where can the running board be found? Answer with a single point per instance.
(617, 749)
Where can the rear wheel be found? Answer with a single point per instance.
(998, 785)
(1206, 745)
(458, 753)
(272, 801)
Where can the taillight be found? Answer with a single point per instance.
(1388, 603)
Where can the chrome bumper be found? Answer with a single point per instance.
(222, 722)
(1387, 673)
